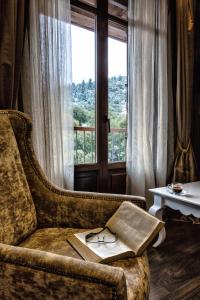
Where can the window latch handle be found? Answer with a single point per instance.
(107, 120)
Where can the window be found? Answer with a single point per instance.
(99, 89)
(117, 98)
(84, 94)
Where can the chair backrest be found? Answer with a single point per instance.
(17, 210)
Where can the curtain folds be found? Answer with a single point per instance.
(47, 87)
(184, 165)
(196, 90)
(150, 104)
(12, 22)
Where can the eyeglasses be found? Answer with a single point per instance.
(94, 237)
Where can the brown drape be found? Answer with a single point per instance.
(184, 166)
(12, 16)
(196, 90)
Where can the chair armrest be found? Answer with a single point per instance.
(27, 273)
(79, 209)
(55, 206)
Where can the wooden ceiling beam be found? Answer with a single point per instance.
(120, 3)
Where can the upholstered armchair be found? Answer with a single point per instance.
(36, 262)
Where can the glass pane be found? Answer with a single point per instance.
(118, 8)
(117, 97)
(83, 94)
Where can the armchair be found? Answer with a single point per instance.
(36, 262)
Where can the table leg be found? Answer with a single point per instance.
(157, 210)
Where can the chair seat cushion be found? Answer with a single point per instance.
(54, 240)
(17, 210)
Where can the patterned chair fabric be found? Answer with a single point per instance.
(36, 262)
(17, 210)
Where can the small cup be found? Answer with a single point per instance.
(176, 187)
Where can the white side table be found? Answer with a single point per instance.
(188, 204)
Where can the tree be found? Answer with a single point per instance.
(80, 116)
(90, 85)
(83, 95)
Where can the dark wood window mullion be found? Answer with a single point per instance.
(102, 89)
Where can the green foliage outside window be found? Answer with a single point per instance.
(83, 95)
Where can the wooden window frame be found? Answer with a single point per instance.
(102, 20)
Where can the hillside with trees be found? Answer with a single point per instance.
(83, 95)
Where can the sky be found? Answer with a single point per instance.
(83, 55)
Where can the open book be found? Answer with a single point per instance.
(127, 234)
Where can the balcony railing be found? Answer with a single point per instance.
(85, 145)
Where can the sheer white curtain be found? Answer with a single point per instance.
(47, 87)
(147, 146)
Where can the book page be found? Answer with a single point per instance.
(135, 227)
(103, 250)
(82, 249)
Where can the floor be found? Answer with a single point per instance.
(175, 265)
